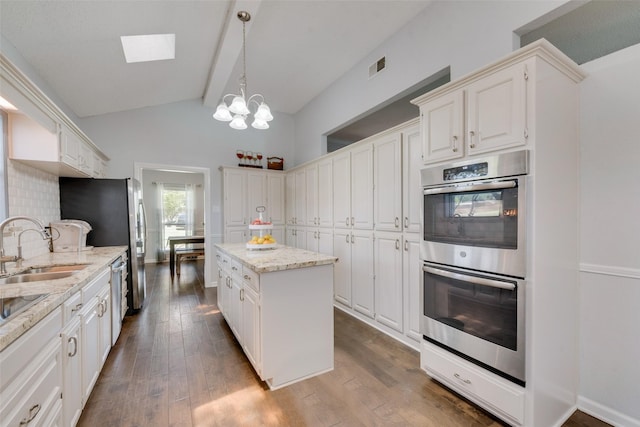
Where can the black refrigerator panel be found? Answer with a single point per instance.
(108, 205)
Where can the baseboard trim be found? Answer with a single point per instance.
(606, 414)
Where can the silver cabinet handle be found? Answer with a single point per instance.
(101, 310)
(242, 294)
(234, 268)
(406, 245)
(352, 221)
(347, 238)
(406, 222)
(347, 222)
(247, 277)
(454, 143)
(352, 241)
(33, 412)
(219, 274)
(73, 340)
(396, 222)
(397, 243)
(466, 381)
(471, 135)
(76, 308)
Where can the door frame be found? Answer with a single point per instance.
(208, 241)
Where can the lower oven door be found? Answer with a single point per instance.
(477, 316)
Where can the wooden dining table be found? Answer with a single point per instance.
(180, 240)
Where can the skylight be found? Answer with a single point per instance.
(151, 47)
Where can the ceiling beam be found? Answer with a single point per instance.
(228, 51)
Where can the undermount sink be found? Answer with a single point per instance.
(35, 277)
(57, 268)
(12, 306)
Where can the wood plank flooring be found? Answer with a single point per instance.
(178, 364)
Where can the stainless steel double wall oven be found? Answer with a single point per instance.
(474, 260)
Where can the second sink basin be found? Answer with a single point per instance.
(35, 277)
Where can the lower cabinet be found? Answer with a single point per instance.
(388, 286)
(31, 376)
(72, 372)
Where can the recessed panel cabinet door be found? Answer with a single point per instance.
(411, 277)
(387, 194)
(342, 190)
(234, 197)
(342, 268)
(496, 111)
(276, 198)
(388, 283)
(443, 128)
(256, 194)
(362, 187)
(325, 193)
(411, 185)
(362, 272)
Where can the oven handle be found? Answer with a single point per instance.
(472, 187)
(471, 279)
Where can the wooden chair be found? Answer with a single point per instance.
(188, 252)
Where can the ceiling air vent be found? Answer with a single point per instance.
(377, 66)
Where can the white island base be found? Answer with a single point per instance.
(281, 311)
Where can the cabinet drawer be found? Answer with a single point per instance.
(15, 358)
(251, 278)
(236, 268)
(92, 288)
(35, 391)
(495, 394)
(71, 307)
(225, 263)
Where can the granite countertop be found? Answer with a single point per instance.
(276, 259)
(57, 290)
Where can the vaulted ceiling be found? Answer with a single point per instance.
(295, 49)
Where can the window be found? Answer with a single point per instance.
(176, 210)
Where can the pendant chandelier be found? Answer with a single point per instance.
(237, 111)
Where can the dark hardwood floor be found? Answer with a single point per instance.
(177, 364)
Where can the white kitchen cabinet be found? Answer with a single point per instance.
(362, 187)
(388, 289)
(387, 194)
(276, 198)
(40, 134)
(342, 190)
(255, 193)
(300, 197)
(94, 330)
(250, 302)
(319, 240)
(342, 268)
(311, 195)
(290, 197)
(485, 115)
(411, 280)
(104, 302)
(31, 375)
(362, 272)
(235, 200)
(443, 128)
(325, 193)
(411, 182)
(72, 372)
(496, 110)
(236, 234)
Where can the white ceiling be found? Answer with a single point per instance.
(295, 48)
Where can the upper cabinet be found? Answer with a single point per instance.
(41, 135)
(484, 112)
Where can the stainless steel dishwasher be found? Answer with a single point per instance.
(117, 268)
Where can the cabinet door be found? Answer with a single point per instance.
(235, 234)
(496, 112)
(104, 314)
(276, 198)
(256, 194)
(311, 239)
(235, 308)
(300, 198)
(291, 236)
(387, 194)
(311, 193)
(234, 197)
(325, 241)
(411, 277)
(362, 187)
(90, 345)
(342, 268)
(362, 272)
(411, 185)
(388, 280)
(72, 372)
(69, 146)
(325, 193)
(251, 326)
(290, 197)
(301, 238)
(442, 128)
(278, 234)
(342, 190)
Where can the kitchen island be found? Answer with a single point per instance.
(279, 305)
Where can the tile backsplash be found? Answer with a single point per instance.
(34, 193)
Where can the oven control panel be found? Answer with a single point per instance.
(475, 170)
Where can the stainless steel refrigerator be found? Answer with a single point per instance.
(114, 209)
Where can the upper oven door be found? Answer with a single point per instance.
(478, 225)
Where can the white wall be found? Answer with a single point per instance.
(183, 134)
(609, 233)
(465, 35)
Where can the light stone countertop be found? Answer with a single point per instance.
(276, 259)
(58, 290)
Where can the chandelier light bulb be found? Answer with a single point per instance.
(222, 113)
(264, 113)
(260, 124)
(239, 106)
(238, 122)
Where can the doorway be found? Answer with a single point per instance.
(177, 202)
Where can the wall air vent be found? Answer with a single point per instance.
(377, 66)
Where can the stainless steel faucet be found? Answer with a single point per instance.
(17, 258)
